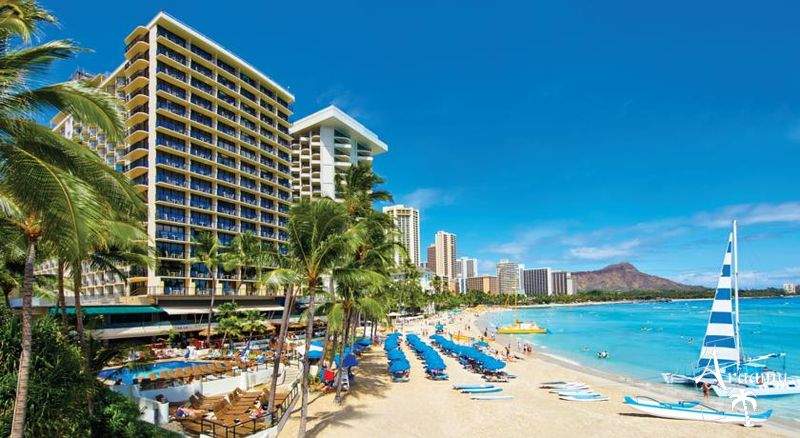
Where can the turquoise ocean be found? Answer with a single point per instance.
(645, 339)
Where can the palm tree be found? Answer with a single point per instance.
(56, 190)
(244, 252)
(357, 188)
(251, 323)
(210, 252)
(288, 279)
(320, 240)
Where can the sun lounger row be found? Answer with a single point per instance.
(434, 365)
(398, 366)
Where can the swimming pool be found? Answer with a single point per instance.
(128, 373)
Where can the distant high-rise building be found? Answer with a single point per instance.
(465, 268)
(326, 143)
(521, 269)
(508, 277)
(538, 281)
(562, 283)
(430, 264)
(445, 255)
(790, 288)
(406, 219)
(484, 283)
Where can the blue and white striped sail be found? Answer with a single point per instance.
(721, 338)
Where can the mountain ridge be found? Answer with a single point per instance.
(625, 277)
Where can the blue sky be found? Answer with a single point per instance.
(567, 134)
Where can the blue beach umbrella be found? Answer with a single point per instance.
(395, 354)
(399, 366)
(315, 354)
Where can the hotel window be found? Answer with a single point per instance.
(170, 141)
(247, 183)
(226, 98)
(227, 67)
(201, 135)
(201, 202)
(226, 176)
(202, 119)
(201, 219)
(226, 207)
(226, 161)
(205, 103)
(201, 169)
(227, 83)
(202, 53)
(171, 232)
(197, 83)
(170, 71)
(171, 36)
(201, 185)
(196, 66)
(169, 177)
(170, 214)
(171, 54)
(170, 160)
(171, 89)
(170, 106)
(227, 145)
(267, 91)
(248, 80)
(200, 151)
(248, 95)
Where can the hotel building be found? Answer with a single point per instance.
(484, 283)
(545, 281)
(208, 145)
(538, 281)
(562, 283)
(445, 256)
(406, 219)
(508, 277)
(326, 144)
(465, 268)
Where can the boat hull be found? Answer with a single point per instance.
(760, 391)
(481, 390)
(691, 412)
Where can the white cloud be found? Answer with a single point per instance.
(749, 214)
(747, 279)
(526, 241)
(425, 198)
(487, 267)
(605, 252)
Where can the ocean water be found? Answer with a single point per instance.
(645, 339)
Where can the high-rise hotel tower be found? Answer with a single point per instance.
(208, 144)
(327, 143)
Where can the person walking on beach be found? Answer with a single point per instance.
(706, 390)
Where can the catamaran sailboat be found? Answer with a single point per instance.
(721, 363)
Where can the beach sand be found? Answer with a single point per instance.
(376, 407)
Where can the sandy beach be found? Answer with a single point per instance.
(425, 408)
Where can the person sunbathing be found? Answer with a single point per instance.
(187, 412)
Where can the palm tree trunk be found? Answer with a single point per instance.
(288, 303)
(340, 369)
(301, 433)
(211, 308)
(21, 400)
(76, 288)
(62, 301)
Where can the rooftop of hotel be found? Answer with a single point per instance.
(333, 116)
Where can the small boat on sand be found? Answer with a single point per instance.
(481, 390)
(471, 386)
(694, 410)
(492, 397)
(594, 397)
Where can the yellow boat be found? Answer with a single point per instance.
(522, 328)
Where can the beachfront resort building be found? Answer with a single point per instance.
(444, 256)
(562, 283)
(484, 283)
(430, 263)
(538, 281)
(545, 281)
(326, 143)
(790, 288)
(406, 219)
(508, 277)
(208, 145)
(466, 267)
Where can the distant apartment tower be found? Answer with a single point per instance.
(430, 263)
(465, 268)
(521, 269)
(790, 288)
(484, 283)
(327, 143)
(538, 281)
(445, 255)
(508, 277)
(208, 145)
(406, 219)
(562, 283)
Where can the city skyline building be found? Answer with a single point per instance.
(538, 281)
(445, 255)
(562, 283)
(327, 143)
(484, 283)
(406, 220)
(466, 267)
(208, 144)
(508, 277)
